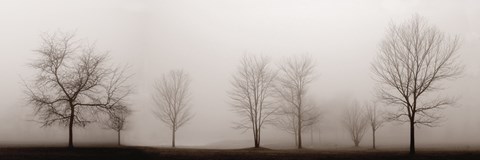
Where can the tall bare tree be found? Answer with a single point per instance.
(252, 94)
(414, 57)
(287, 119)
(356, 122)
(117, 120)
(172, 97)
(296, 73)
(74, 83)
(375, 119)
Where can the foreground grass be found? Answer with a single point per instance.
(141, 153)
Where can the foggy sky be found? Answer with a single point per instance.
(207, 38)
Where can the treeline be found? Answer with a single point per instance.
(75, 85)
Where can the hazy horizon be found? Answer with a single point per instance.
(207, 40)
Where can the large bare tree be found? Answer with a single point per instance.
(252, 94)
(74, 83)
(287, 119)
(296, 73)
(356, 122)
(375, 119)
(414, 58)
(172, 97)
(117, 120)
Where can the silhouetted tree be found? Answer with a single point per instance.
(74, 83)
(172, 97)
(414, 57)
(295, 75)
(356, 122)
(117, 119)
(287, 119)
(375, 119)
(252, 94)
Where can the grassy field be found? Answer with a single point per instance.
(141, 153)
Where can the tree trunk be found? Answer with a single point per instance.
(70, 126)
(173, 138)
(257, 143)
(255, 138)
(319, 137)
(258, 137)
(296, 139)
(118, 138)
(299, 129)
(373, 130)
(412, 137)
(311, 136)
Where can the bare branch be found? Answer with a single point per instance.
(355, 121)
(296, 73)
(172, 96)
(73, 83)
(414, 57)
(252, 94)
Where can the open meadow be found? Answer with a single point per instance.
(124, 153)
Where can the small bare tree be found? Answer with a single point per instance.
(296, 73)
(117, 119)
(252, 95)
(356, 122)
(73, 83)
(287, 120)
(172, 97)
(375, 119)
(288, 123)
(414, 57)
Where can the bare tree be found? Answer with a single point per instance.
(73, 83)
(375, 119)
(117, 119)
(295, 75)
(172, 97)
(252, 94)
(414, 57)
(287, 119)
(356, 122)
(288, 123)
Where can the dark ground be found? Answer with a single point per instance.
(141, 153)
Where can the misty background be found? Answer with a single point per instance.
(207, 40)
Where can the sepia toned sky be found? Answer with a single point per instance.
(207, 38)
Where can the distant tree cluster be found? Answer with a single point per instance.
(413, 58)
(262, 95)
